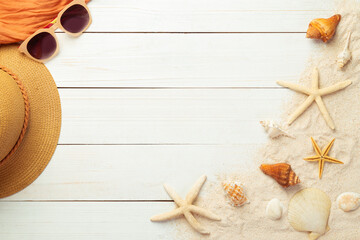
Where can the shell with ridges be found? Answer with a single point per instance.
(235, 191)
(309, 211)
(324, 29)
(274, 209)
(348, 201)
(282, 173)
(274, 130)
(345, 55)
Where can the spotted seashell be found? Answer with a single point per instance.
(235, 191)
(348, 201)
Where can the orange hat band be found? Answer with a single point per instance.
(26, 117)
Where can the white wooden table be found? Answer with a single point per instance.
(158, 91)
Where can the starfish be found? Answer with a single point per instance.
(186, 207)
(314, 94)
(322, 156)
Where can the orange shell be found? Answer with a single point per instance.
(282, 173)
(236, 193)
(324, 29)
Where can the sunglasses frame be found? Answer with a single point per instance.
(51, 31)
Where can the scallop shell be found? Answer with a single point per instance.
(274, 209)
(282, 173)
(348, 201)
(235, 191)
(322, 28)
(309, 211)
(345, 56)
(274, 130)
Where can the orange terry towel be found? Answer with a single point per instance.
(20, 19)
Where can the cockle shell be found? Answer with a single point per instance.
(235, 191)
(324, 29)
(345, 55)
(282, 173)
(274, 209)
(348, 201)
(309, 211)
(274, 130)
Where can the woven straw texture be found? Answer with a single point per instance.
(43, 130)
(12, 112)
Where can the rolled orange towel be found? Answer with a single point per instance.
(20, 19)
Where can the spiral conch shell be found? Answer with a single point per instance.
(348, 201)
(345, 55)
(282, 173)
(309, 211)
(274, 130)
(235, 192)
(324, 29)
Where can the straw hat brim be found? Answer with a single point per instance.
(42, 135)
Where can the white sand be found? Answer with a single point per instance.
(249, 221)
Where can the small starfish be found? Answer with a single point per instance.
(314, 94)
(186, 207)
(322, 156)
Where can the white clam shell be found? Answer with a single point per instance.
(309, 211)
(348, 201)
(274, 209)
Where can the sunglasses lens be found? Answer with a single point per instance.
(75, 19)
(42, 46)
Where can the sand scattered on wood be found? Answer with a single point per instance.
(249, 221)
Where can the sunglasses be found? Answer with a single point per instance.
(42, 45)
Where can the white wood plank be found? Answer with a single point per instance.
(180, 60)
(83, 221)
(132, 172)
(205, 15)
(163, 116)
(114, 221)
(219, 118)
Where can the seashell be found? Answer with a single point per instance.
(274, 209)
(235, 191)
(282, 173)
(345, 55)
(309, 211)
(274, 130)
(324, 29)
(348, 201)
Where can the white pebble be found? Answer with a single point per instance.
(274, 209)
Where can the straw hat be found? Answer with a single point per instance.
(30, 119)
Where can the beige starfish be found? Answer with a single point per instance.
(321, 156)
(314, 94)
(186, 207)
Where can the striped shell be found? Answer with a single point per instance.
(235, 191)
(309, 211)
(282, 173)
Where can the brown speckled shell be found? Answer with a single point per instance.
(282, 173)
